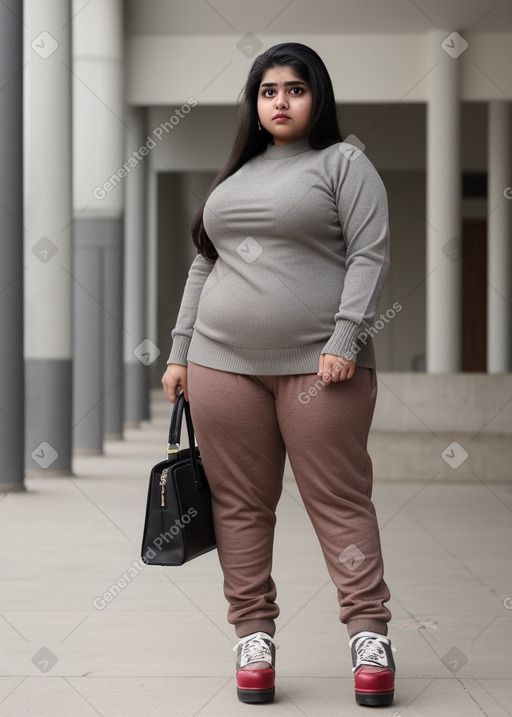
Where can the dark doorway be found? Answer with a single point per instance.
(474, 295)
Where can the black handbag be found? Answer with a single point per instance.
(179, 524)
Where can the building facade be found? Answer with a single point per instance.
(129, 112)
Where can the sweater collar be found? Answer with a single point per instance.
(284, 151)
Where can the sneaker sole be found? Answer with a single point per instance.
(379, 699)
(255, 696)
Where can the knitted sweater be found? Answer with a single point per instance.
(303, 253)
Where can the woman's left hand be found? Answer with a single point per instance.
(335, 368)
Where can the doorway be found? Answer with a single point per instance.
(474, 295)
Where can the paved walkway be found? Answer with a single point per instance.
(162, 646)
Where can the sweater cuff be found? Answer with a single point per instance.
(179, 350)
(343, 341)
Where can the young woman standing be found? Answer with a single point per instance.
(293, 249)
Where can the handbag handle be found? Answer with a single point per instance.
(173, 445)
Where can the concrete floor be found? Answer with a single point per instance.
(163, 646)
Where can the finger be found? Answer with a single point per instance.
(348, 371)
(321, 365)
(336, 370)
(166, 389)
(169, 388)
(326, 378)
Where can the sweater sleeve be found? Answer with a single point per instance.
(363, 215)
(182, 333)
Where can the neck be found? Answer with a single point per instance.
(280, 142)
(283, 151)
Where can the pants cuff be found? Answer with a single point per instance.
(366, 624)
(258, 625)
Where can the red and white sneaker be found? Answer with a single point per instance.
(255, 667)
(373, 668)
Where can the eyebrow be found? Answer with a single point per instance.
(286, 84)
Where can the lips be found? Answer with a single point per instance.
(281, 117)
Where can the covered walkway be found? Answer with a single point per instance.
(73, 645)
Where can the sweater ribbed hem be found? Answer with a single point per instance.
(179, 351)
(266, 362)
(254, 362)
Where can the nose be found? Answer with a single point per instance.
(281, 101)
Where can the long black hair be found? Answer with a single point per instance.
(250, 141)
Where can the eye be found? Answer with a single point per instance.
(268, 93)
(297, 90)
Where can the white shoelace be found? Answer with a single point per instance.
(255, 649)
(371, 649)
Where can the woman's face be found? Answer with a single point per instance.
(284, 104)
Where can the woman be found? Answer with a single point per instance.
(293, 254)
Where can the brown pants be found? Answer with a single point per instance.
(245, 425)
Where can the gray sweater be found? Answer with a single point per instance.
(303, 244)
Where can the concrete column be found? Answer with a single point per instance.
(139, 354)
(48, 223)
(499, 263)
(152, 255)
(11, 231)
(443, 210)
(98, 200)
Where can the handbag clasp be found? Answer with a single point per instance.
(163, 481)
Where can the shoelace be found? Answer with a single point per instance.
(372, 650)
(255, 649)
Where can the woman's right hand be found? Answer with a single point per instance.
(174, 377)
